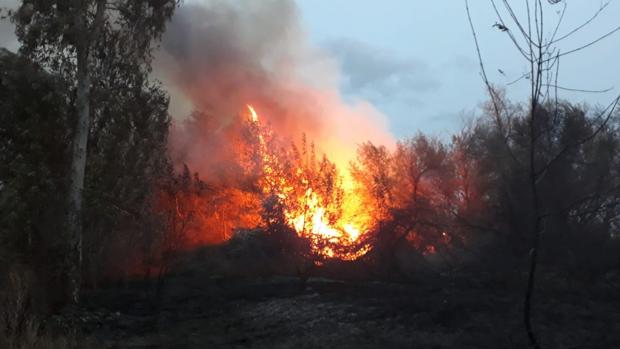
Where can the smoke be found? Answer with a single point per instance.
(218, 56)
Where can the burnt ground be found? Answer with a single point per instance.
(464, 310)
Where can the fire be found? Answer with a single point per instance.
(307, 211)
(253, 114)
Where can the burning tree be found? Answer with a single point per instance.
(310, 192)
(414, 195)
(269, 182)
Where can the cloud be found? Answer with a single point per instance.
(462, 64)
(371, 72)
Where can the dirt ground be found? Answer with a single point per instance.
(464, 310)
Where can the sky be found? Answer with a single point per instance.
(415, 61)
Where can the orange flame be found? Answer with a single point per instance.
(309, 216)
(253, 114)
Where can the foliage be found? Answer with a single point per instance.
(102, 50)
(578, 189)
(34, 134)
(127, 160)
(444, 198)
(49, 33)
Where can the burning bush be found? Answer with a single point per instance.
(280, 184)
(408, 196)
(424, 196)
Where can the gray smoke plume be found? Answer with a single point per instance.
(218, 56)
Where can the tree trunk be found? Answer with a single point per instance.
(78, 165)
(527, 306)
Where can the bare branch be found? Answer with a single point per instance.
(582, 200)
(578, 89)
(523, 76)
(490, 89)
(526, 35)
(591, 42)
(510, 35)
(581, 26)
(609, 110)
(557, 27)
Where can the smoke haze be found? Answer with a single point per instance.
(218, 56)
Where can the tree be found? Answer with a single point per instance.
(416, 194)
(126, 167)
(75, 38)
(34, 134)
(374, 179)
(542, 53)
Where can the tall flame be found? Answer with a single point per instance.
(253, 114)
(309, 217)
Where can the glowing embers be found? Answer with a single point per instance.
(321, 215)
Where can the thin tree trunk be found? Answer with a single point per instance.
(86, 35)
(531, 280)
(78, 166)
(536, 83)
(527, 306)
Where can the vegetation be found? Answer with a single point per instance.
(102, 50)
(90, 196)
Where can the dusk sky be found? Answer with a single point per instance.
(415, 61)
